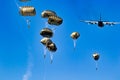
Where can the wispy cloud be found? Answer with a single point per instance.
(28, 73)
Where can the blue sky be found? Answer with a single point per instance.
(21, 53)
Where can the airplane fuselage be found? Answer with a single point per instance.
(100, 24)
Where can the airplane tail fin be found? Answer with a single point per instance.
(100, 17)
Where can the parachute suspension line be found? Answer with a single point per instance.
(54, 29)
(17, 4)
(28, 22)
(74, 43)
(46, 24)
(51, 57)
(100, 17)
(45, 51)
(96, 65)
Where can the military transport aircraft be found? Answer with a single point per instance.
(100, 23)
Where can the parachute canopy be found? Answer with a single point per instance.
(96, 56)
(49, 44)
(47, 13)
(27, 11)
(55, 20)
(24, 0)
(52, 47)
(46, 32)
(46, 41)
(75, 35)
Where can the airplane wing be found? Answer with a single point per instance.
(89, 21)
(111, 23)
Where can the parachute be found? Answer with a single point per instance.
(75, 36)
(48, 13)
(52, 47)
(55, 20)
(27, 11)
(46, 41)
(46, 32)
(96, 57)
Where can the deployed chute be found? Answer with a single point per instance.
(52, 48)
(27, 11)
(75, 36)
(55, 20)
(46, 32)
(46, 41)
(48, 13)
(96, 57)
